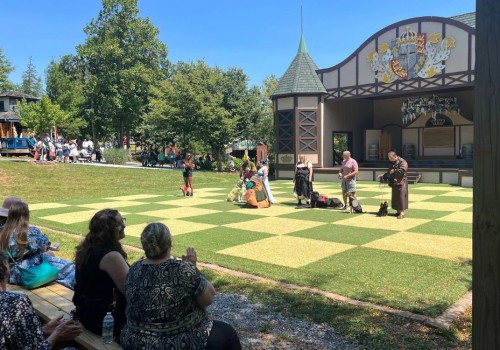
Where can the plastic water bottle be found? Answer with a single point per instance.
(107, 328)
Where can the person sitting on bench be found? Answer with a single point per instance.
(21, 327)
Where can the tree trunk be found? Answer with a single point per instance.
(486, 215)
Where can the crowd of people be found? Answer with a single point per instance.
(63, 150)
(103, 281)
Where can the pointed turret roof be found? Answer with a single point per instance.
(301, 76)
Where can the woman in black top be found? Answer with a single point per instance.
(101, 271)
(187, 173)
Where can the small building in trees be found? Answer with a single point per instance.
(9, 122)
(408, 88)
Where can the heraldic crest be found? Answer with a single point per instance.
(411, 55)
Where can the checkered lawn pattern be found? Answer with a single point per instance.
(421, 264)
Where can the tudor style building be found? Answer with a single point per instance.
(408, 88)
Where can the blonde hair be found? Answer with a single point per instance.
(156, 240)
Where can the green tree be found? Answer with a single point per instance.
(123, 57)
(31, 82)
(265, 123)
(6, 68)
(42, 116)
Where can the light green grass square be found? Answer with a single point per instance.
(275, 225)
(283, 250)
(443, 247)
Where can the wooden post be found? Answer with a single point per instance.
(486, 215)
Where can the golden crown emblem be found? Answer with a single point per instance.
(409, 36)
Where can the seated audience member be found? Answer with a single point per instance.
(177, 319)
(29, 246)
(101, 270)
(20, 327)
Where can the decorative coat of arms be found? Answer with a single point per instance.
(411, 55)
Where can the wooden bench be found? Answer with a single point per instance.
(55, 299)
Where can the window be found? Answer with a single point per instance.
(2, 107)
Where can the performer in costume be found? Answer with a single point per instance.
(263, 175)
(303, 181)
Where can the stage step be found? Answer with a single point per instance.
(413, 177)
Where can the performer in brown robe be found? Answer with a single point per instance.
(396, 176)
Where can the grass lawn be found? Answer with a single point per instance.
(420, 264)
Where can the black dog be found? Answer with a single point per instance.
(383, 211)
(334, 203)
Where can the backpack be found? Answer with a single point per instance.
(354, 204)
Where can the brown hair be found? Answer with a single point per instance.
(4, 265)
(104, 229)
(17, 224)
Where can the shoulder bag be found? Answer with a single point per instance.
(38, 275)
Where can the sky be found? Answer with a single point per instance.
(261, 36)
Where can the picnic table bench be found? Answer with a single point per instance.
(55, 299)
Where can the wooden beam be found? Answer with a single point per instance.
(486, 215)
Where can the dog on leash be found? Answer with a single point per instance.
(354, 205)
(186, 191)
(383, 210)
(236, 194)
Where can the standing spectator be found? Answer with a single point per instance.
(396, 176)
(167, 300)
(187, 172)
(347, 173)
(303, 181)
(73, 151)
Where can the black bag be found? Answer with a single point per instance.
(334, 203)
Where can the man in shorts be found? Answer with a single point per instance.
(348, 173)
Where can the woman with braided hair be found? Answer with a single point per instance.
(167, 300)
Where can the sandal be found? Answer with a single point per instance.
(401, 216)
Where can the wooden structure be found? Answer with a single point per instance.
(52, 301)
(486, 218)
(411, 60)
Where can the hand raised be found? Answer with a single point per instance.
(190, 255)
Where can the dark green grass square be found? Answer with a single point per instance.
(218, 238)
(449, 199)
(222, 218)
(342, 234)
(404, 281)
(144, 207)
(425, 214)
(444, 228)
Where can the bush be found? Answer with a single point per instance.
(117, 156)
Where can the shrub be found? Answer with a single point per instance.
(116, 155)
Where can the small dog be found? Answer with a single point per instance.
(186, 191)
(383, 211)
(237, 193)
(354, 205)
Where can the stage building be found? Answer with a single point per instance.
(408, 88)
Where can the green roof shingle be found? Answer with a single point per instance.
(301, 76)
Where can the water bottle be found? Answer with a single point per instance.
(107, 328)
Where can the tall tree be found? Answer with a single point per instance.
(123, 56)
(6, 68)
(486, 218)
(31, 82)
